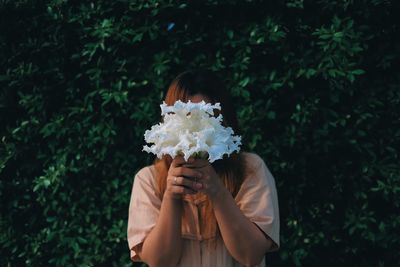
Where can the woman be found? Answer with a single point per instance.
(199, 214)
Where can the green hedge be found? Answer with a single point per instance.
(317, 95)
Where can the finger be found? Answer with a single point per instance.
(177, 161)
(182, 190)
(186, 172)
(192, 184)
(197, 163)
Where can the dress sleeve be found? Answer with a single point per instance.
(258, 198)
(144, 210)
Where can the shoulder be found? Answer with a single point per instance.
(252, 157)
(146, 175)
(252, 161)
(148, 171)
(256, 169)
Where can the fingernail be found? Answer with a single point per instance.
(199, 185)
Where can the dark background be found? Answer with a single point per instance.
(315, 83)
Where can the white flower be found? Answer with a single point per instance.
(190, 129)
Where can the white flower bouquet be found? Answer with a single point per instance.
(191, 129)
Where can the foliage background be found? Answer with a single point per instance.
(317, 94)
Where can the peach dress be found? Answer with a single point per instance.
(257, 199)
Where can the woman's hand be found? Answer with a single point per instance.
(211, 183)
(182, 179)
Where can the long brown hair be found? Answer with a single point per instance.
(207, 83)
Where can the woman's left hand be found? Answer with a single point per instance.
(211, 183)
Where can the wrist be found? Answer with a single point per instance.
(218, 194)
(171, 196)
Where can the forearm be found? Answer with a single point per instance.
(163, 245)
(243, 239)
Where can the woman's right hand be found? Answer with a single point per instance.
(182, 179)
